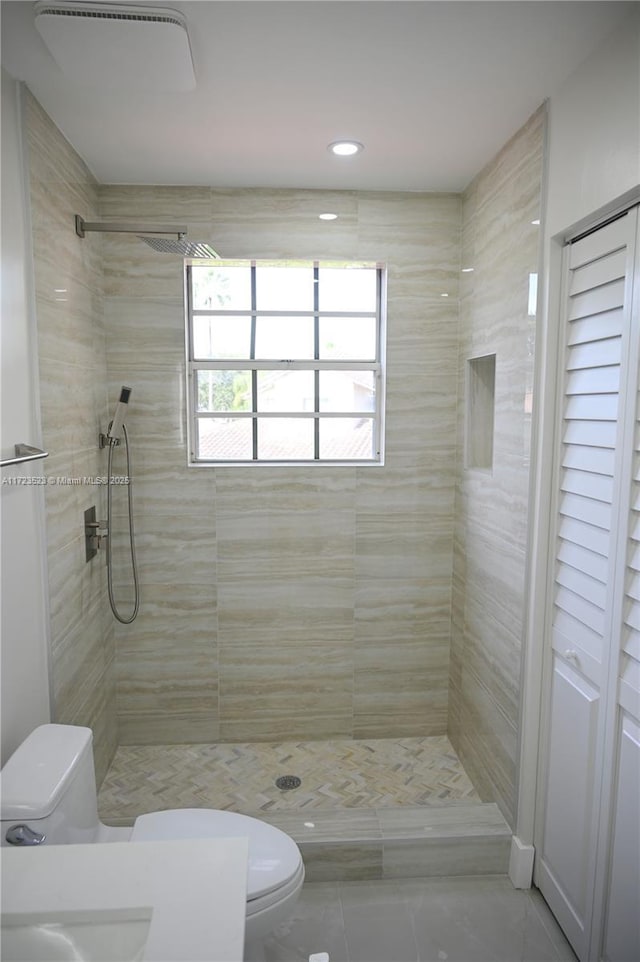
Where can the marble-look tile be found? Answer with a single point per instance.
(496, 665)
(268, 223)
(69, 309)
(170, 549)
(79, 654)
(72, 359)
(143, 334)
(401, 609)
(404, 489)
(378, 923)
(399, 685)
(263, 690)
(344, 783)
(461, 919)
(446, 857)
(285, 491)
(501, 244)
(285, 611)
(132, 268)
(73, 402)
(488, 746)
(156, 204)
(400, 717)
(172, 617)
(480, 920)
(395, 545)
(60, 182)
(330, 825)
(450, 820)
(80, 658)
(315, 925)
(331, 861)
(313, 722)
(170, 728)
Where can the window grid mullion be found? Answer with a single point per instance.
(254, 372)
(264, 415)
(316, 355)
(243, 364)
(229, 313)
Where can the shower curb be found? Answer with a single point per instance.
(425, 841)
(403, 842)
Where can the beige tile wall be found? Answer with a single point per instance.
(288, 602)
(73, 394)
(491, 506)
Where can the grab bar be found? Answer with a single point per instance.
(24, 452)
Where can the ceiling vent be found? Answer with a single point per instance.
(118, 47)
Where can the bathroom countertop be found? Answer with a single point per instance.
(183, 901)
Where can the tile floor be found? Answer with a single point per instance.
(373, 773)
(480, 919)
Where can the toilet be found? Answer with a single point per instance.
(48, 796)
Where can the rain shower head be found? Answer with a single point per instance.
(180, 246)
(184, 248)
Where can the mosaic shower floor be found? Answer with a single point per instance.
(345, 774)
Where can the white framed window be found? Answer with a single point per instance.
(285, 362)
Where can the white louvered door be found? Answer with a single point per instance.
(585, 637)
(622, 895)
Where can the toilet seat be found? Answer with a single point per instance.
(275, 863)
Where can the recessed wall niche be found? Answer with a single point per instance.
(481, 396)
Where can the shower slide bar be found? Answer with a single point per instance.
(24, 452)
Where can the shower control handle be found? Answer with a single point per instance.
(95, 532)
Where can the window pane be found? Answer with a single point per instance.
(348, 338)
(285, 391)
(284, 288)
(285, 439)
(222, 439)
(347, 289)
(347, 391)
(221, 288)
(223, 390)
(283, 338)
(221, 337)
(346, 438)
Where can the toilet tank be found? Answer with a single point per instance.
(49, 784)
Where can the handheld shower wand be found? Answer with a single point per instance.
(112, 439)
(115, 428)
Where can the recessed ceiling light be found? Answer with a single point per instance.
(345, 148)
(536, 223)
(467, 270)
(328, 216)
(444, 295)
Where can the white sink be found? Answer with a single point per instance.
(177, 901)
(90, 936)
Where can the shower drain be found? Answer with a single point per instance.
(287, 782)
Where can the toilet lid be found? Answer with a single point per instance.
(274, 858)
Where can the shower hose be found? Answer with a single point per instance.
(134, 566)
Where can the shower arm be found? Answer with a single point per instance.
(83, 226)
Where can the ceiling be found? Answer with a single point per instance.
(432, 89)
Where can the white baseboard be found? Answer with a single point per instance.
(521, 864)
